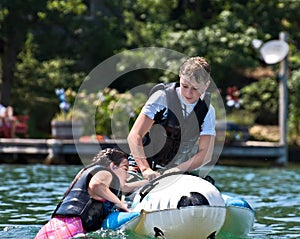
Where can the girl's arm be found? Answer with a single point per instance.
(132, 186)
(99, 189)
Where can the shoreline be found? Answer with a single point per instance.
(69, 151)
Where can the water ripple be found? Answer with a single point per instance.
(29, 194)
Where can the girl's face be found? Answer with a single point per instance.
(121, 171)
(191, 91)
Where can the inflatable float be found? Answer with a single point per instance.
(183, 206)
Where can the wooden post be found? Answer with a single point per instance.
(283, 104)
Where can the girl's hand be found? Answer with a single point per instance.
(122, 207)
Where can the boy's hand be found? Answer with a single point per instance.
(171, 170)
(149, 174)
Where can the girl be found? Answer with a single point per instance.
(93, 194)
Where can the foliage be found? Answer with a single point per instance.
(67, 112)
(38, 79)
(63, 116)
(108, 110)
(55, 43)
(115, 111)
(261, 99)
(248, 118)
(39, 18)
(71, 115)
(294, 109)
(33, 90)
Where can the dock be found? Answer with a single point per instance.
(57, 151)
(254, 153)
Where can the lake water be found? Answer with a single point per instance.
(29, 194)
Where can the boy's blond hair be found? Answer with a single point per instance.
(196, 69)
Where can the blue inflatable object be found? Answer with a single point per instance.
(116, 219)
(236, 201)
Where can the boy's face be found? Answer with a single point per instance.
(191, 90)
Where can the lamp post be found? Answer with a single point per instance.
(272, 52)
(283, 102)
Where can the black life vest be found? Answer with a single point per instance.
(180, 135)
(78, 202)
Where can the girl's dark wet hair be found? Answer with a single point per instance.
(103, 158)
(106, 156)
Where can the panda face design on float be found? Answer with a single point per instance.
(180, 203)
(195, 199)
(176, 191)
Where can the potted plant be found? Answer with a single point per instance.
(65, 124)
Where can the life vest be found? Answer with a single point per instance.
(78, 202)
(180, 135)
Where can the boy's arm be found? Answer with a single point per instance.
(135, 140)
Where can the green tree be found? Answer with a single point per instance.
(18, 18)
(36, 83)
(71, 37)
